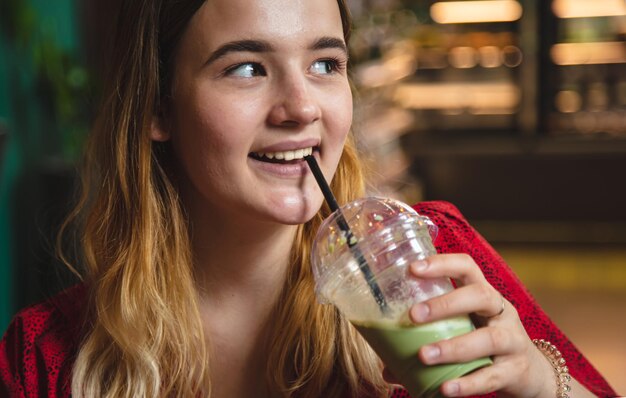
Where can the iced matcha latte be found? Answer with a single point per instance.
(360, 258)
(397, 346)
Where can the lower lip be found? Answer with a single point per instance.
(285, 170)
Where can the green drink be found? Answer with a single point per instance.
(360, 260)
(397, 346)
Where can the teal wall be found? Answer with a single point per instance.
(9, 165)
(33, 35)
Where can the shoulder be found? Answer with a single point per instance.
(55, 311)
(455, 234)
(440, 211)
(37, 349)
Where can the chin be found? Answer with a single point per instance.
(294, 218)
(294, 212)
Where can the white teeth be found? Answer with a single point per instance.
(287, 155)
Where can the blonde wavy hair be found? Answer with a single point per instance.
(143, 336)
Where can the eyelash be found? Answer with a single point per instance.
(231, 69)
(336, 65)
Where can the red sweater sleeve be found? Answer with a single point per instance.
(37, 350)
(457, 236)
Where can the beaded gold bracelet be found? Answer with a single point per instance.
(558, 363)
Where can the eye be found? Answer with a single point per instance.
(246, 69)
(325, 66)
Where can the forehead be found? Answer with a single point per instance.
(281, 21)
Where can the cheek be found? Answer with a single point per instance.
(230, 121)
(205, 125)
(347, 117)
(340, 115)
(199, 142)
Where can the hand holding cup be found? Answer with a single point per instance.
(390, 236)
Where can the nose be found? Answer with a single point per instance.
(294, 104)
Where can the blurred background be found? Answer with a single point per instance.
(515, 111)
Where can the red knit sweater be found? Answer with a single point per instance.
(38, 350)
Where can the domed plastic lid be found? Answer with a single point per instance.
(363, 228)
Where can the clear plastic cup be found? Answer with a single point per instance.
(360, 263)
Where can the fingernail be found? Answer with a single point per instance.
(451, 389)
(430, 352)
(420, 266)
(420, 312)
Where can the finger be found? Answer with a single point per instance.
(460, 267)
(479, 382)
(479, 298)
(483, 342)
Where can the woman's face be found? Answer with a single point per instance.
(258, 84)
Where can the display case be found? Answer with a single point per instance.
(429, 70)
(513, 110)
(585, 67)
(495, 66)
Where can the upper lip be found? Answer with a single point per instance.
(290, 145)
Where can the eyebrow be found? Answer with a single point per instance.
(253, 46)
(260, 46)
(329, 42)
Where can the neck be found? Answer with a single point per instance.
(244, 257)
(240, 266)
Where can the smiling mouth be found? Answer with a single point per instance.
(283, 157)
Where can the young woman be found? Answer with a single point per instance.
(197, 217)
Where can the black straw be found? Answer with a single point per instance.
(343, 224)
